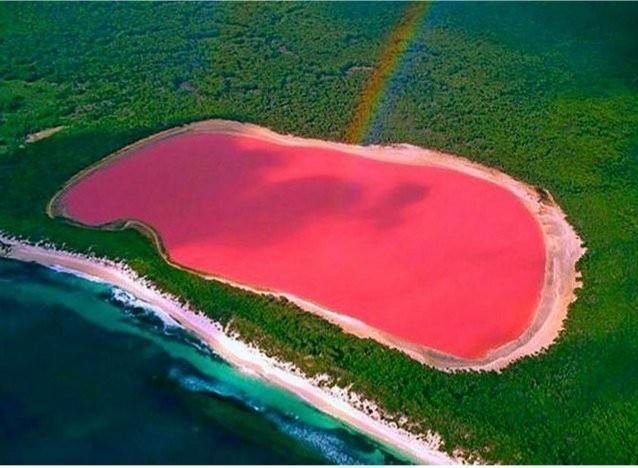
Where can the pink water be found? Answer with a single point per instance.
(431, 256)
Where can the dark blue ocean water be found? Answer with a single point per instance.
(90, 376)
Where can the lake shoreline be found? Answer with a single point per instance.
(563, 246)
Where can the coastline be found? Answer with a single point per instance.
(337, 402)
(563, 247)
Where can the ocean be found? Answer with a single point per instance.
(91, 375)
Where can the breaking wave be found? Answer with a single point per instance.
(68, 271)
(329, 444)
(195, 383)
(129, 301)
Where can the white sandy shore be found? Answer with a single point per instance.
(562, 244)
(563, 249)
(340, 403)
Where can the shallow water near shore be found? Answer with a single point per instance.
(90, 375)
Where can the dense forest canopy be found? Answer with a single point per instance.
(547, 92)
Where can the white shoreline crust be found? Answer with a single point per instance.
(340, 403)
(562, 244)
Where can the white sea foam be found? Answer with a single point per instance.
(329, 445)
(197, 384)
(129, 300)
(78, 274)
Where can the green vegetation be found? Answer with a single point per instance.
(546, 92)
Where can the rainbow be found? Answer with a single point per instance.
(387, 64)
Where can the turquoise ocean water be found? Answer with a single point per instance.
(89, 375)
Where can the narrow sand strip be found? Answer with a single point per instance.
(42, 134)
(563, 246)
(338, 403)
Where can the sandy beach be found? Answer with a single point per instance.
(345, 406)
(563, 249)
(562, 244)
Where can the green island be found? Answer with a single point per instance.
(546, 92)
